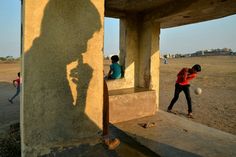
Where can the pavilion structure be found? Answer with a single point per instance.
(62, 61)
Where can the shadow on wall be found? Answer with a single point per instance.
(56, 79)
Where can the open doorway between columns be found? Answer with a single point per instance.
(136, 94)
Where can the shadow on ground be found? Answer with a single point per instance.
(128, 148)
(9, 113)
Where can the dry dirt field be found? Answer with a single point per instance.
(9, 113)
(215, 107)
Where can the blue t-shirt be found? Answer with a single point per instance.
(116, 70)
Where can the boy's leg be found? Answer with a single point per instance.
(188, 98)
(178, 89)
(17, 93)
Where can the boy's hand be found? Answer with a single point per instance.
(14, 83)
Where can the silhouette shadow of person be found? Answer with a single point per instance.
(58, 73)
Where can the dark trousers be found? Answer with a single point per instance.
(17, 93)
(179, 88)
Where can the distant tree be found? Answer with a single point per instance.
(9, 58)
(2, 59)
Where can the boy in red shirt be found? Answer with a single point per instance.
(16, 83)
(182, 84)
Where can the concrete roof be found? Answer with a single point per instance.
(171, 13)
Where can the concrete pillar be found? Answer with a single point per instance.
(62, 95)
(149, 57)
(129, 48)
(139, 52)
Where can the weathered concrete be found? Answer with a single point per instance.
(62, 61)
(62, 73)
(139, 53)
(180, 137)
(171, 13)
(131, 103)
(149, 57)
(129, 49)
(120, 83)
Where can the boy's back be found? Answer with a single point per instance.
(116, 70)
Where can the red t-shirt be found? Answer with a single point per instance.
(17, 81)
(185, 75)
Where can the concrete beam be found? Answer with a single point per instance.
(167, 9)
(171, 13)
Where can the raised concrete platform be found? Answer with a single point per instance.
(131, 103)
(175, 136)
(119, 83)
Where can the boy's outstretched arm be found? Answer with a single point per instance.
(13, 82)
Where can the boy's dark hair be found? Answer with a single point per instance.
(115, 58)
(197, 67)
(18, 74)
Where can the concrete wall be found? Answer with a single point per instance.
(62, 73)
(128, 104)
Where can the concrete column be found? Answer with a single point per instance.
(62, 95)
(149, 57)
(129, 48)
(139, 52)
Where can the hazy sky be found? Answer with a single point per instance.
(218, 33)
(9, 28)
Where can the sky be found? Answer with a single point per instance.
(219, 33)
(10, 28)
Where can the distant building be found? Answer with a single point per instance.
(213, 52)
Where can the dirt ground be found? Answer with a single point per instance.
(9, 113)
(215, 107)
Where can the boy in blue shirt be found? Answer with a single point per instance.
(115, 68)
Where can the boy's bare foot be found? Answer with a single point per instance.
(190, 115)
(112, 143)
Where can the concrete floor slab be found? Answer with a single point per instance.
(180, 137)
(127, 148)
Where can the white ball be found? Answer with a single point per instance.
(198, 91)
